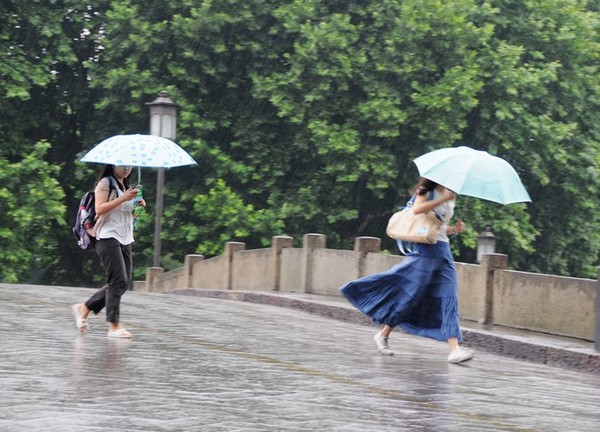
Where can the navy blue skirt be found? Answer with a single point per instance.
(420, 295)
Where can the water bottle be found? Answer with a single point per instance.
(139, 210)
(139, 196)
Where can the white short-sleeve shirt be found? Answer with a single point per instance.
(117, 224)
(445, 211)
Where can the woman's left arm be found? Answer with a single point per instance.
(458, 227)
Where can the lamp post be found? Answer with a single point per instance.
(163, 123)
(486, 243)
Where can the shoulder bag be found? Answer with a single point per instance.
(406, 226)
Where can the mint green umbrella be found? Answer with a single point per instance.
(473, 173)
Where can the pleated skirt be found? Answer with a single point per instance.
(419, 295)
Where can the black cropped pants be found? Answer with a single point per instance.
(118, 265)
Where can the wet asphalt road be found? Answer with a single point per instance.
(203, 364)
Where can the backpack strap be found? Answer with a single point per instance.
(112, 184)
(412, 199)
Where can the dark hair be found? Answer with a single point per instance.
(109, 170)
(424, 186)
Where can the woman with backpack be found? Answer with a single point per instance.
(115, 205)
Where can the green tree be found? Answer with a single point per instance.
(222, 216)
(207, 51)
(305, 115)
(540, 111)
(368, 88)
(31, 212)
(43, 47)
(317, 108)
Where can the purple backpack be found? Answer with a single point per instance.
(86, 219)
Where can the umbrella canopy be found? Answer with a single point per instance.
(139, 150)
(473, 173)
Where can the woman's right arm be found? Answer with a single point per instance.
(423, 204)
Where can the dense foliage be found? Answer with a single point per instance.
(304, 116)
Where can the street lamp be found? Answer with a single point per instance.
(486, 243)
(163, 123)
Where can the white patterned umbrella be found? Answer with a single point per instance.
(140, 151)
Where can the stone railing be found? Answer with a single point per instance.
(488, 292)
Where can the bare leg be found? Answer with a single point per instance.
(458, 354)
(81, 312)
(385, 332)
(452, 344)
(114, 326)
(381, 340)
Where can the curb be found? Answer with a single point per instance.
(505, 345)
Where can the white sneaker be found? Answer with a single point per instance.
(461, 354)
(382, 344)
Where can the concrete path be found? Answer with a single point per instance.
(206, 364)
(570, 353)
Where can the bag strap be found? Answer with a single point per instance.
(112, 184)
(405, 250)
